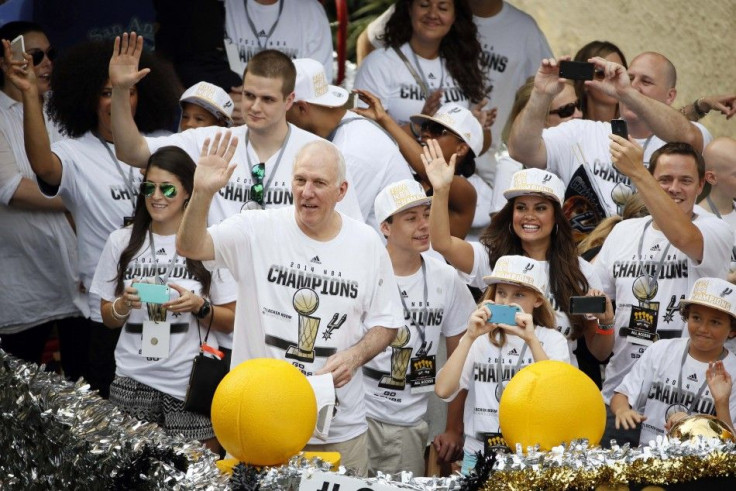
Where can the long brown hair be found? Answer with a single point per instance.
(543, 316)
(565, 277)
(177, 161)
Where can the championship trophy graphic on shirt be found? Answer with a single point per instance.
(619, 195)
(305, 303)
(399, 361)
(642, 328)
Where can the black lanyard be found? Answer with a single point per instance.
(127, 181)
(421, 326)
(424, 78)
(704, 384)
(253, 27)
(654, 274)
(275, 166)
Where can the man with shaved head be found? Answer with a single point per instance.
(578, 151)
(720, 174)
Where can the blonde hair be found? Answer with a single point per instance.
(634, 207)
(543, 316)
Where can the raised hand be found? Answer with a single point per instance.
(439, 172)
(375, 109)
(486, 118)
(433, 103)
(725, 103)
(627, 156)
(214, 167)
(719, 381)
(19, 72)
(124, 62)
(615, 78)
(547, 79)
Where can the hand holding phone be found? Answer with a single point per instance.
(502, 314)
(17, 48)
(588, 305)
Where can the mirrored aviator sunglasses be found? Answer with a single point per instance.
(148, 189)
(565, 111)
(38, 55)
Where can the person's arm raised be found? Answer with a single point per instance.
(130, 145)
(678, 227)
(44, 163)
(525, 141)
(213, 171)
(664, 121)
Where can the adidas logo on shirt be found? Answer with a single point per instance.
(655, 247)
(404, 294)
(262, 34)
(315, 260)
(693, 377)
(513, 352)
(431, 76)
(161, 251)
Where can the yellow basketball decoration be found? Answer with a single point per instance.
(550, 402)
(264, 411)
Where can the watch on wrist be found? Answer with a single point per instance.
(204, 311)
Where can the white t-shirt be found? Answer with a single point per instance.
(618, 265)
(480, 378)
(38, 250)
(373, 159)
(482, 216)
(582, 147)
(230, 200)
(512, 47)
(99, 192)
(168, 375)
(653, 383)
(481, 268)
(302, 30)
(293, 289)
(449, 305)
(385, 75)
(506, 167)
(730, 219)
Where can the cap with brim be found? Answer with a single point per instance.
(715, 293)
(536, 181)
(311, 85)
(460, 121)
(212, 98)
(519, 270)
(399, 196)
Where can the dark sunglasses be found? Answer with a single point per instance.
(435, 129)
(565, 111)
(38, 55)
(258, 172)
(148, 188)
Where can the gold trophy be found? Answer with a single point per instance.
(305, 302)
(399, 361)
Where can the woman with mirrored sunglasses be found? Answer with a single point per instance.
(99, 190)
(38, 253)
(152, 385)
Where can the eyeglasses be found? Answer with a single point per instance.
(565, 111)
(258, 172)
(436, 129)
(38, 55)
(148, 188)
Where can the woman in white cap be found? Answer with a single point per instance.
(531, 224)
(699, 365)
(205, 104)
(492, 351)
(457, 132)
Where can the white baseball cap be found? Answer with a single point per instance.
(519, 270)
(714, 293)
(312, 87)
(536, 181)
(460, 121)
(399, 196)
(212, 98)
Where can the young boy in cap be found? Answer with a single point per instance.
(684, 375)
(205, 104)
(398, 381)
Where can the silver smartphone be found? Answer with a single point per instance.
(17, 48)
